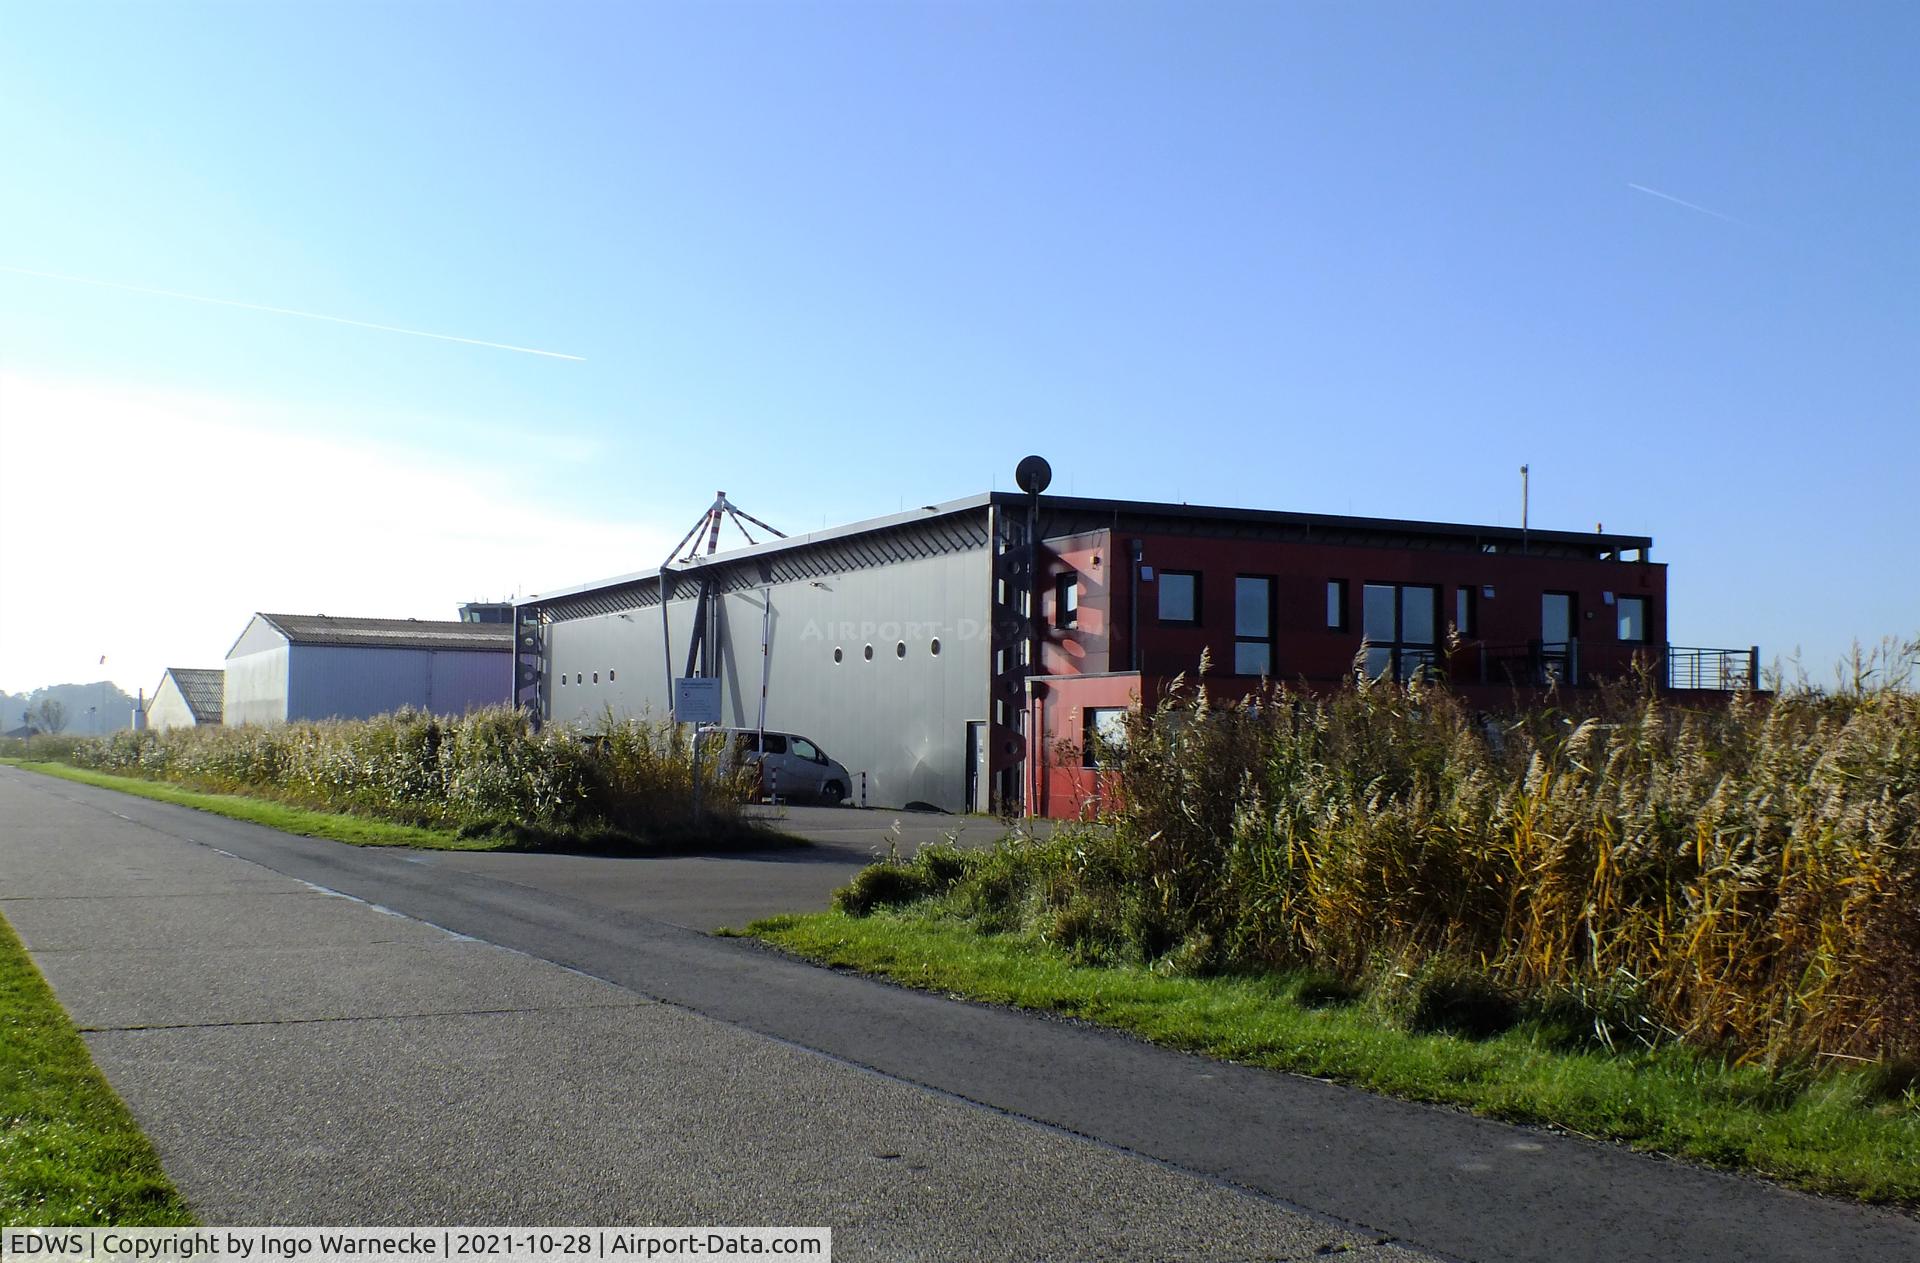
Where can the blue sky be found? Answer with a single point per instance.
(837, 258)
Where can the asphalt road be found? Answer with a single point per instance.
(974, 1095)
(706, 892)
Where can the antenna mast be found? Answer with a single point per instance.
(687, 552)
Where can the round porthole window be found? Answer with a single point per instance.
(934, 648)
(900, 650)
(869, 652)
(609, 675)
(576, 677)
(837, 655)
(596, 677)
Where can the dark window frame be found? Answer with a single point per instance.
(1340, 604)
(1089, 729)
(1066, 600)
(1646, 619)
(1466, 610)
(1199, 591)
(1400, 649)
(1573, 615)
(1273, 588)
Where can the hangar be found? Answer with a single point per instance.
(310, 666)
(957, 654)
(186, 697)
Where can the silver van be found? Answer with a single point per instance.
(791, 766)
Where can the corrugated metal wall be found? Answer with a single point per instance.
(355, 682)
(901, 716)
(255, 691)
(167, 708)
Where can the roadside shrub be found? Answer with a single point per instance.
(887, 885)
(488, 773)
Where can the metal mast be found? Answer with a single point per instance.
(687, 551)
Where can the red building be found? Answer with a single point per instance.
(1132, 594)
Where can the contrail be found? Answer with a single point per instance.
(1641, 188)
(288, 311)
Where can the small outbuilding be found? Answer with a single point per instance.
(187, 697)
(309, 666)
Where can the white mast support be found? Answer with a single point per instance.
(688, 550)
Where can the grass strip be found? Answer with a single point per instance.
(358, 830)
(70, 1153)
(1846, 1133)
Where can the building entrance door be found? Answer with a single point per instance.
(977, 779)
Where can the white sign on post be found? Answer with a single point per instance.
(696, 701)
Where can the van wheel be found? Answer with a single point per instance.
(833, 793)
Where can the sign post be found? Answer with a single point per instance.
(696, 701)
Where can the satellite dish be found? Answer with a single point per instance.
(1033, 474)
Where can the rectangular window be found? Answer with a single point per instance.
(1103, 731)
(1066, 601)
(1400, 624)
(1337, 604)
(1179, 596)
(1632, 612)
(1463, 610)
(1556, 617)
(1252, 625)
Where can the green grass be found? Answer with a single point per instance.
(358, 830)
(69, 1151)
(1844, 1133)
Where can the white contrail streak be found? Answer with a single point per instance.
(1641, 188)
(288, 311)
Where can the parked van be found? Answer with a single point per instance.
(791, 766)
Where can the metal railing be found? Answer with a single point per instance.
(1570, 664)
(1717, 670)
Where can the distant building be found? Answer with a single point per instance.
(309, 666)
(187, 697)
(487, 612)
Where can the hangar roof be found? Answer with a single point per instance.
(1067, 515)
(390, 633)
(202, 687)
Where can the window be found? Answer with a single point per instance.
(1400, 621)
(1179, 596)
(805, 749)
(868, 651)
(1463, 610)
(1632, 614)
(1103, 731)
(776, 744)
(837, 655)
(610, 675)
(596, 677)
(1337, 604)
(1066, 601)
(1556, 617)
(934, 648)
(900, 649)
(1252, 625)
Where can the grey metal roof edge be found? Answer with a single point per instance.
(478, 631)
(1151, 508)
(909, 517)
(1134, 508)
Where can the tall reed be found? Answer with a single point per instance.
(1743, 877)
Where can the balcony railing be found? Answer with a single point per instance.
(1570, 664)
